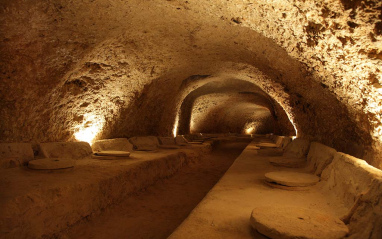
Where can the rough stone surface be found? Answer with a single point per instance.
(286, 142)
(225, 211)
(279, 141)
(180, 140)
(111, 67)
(10, 162)
(145, 143)
(319, 157)
(23, 152)
(209, 112)
(292, 179)
(73, 150)
(166, 140)
(51, 163)
(298, 148)
(294, 222)
(122, 144)
(348, 178)
(366, 222)
(169, 146)
(67, 197)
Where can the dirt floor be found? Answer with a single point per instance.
(159, 209)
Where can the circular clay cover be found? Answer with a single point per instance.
(292, 179)
(266, 145)
(295, 222)
(51, 163)
(113, 153)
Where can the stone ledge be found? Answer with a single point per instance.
(225, 211)
(36, 204)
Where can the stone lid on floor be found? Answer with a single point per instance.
(292, 179)
(295, 222)
(51, 163)
(113, 153)
(289, 188)
(266, 145)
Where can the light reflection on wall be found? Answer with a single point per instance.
(249, 130)
(175, 129)
(90, 128)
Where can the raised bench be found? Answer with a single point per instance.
(226, 209)
(350, 189)
(38, 204)
(359, 186)
(15, 154)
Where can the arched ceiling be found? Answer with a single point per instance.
(221, 94)
(230, 113)
(116, 68)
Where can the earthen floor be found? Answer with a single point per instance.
(156, 211)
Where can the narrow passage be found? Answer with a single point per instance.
(160, 208)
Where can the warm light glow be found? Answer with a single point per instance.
(249, 130)
(89, 128)
(175, 129)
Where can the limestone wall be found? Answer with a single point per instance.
(111, 68)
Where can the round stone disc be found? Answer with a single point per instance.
(288, 162)
(278, 186)
(51, 163)
(292, 179)
(266, 145)
(113, 153)
(295, 222)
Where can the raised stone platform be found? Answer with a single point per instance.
(37, 204)
(15, 154)
(225, 211)
(297, 222)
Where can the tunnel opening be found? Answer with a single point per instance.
(215, 113)
(230, 106)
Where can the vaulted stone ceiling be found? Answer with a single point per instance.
(223, 104)
(114, 68)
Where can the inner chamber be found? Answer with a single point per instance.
(231, 106)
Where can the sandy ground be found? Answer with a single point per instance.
(159, 209)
